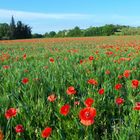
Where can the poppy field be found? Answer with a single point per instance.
(70, 89)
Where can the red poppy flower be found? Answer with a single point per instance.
(120, 76)
(1, 135)
(118, 86)
(135, 83)
(52, 97)
(46, 132)
(109, 53)
(81, 61)
(137, 106)
(119, 101)
(25, 80)
(6, 67)
(91, 58)
(51, 60)
(88, 102)
(87, 115)
(10, 113)
(92, 82)
(19, 128)
(45, 67)
(71, 90)
(76, 103)
(64, 110)
(107, 72)
(126, 73)
(24, 56)
(65, 58)
(101, 91)
(22, 49)
(26, 70)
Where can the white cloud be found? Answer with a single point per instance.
(34, 15)
(42, 22)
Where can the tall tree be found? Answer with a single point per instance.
(22, 31)
(27, 31)
(12, 30)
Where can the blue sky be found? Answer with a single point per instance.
(44, 15)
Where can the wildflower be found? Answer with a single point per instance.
(6, 67)
(1, 135)
(46, 132)
(120, 76)
(92, 82)
(24, 56)
(137, 106)
(88, 102)
(76, 103)
(107, 72)
(10, 113)
(87, 116)
(118, 86)
(71, 90)
(51, 60)
(119, 101)
(91, 58)
(126, 73)
(135, 83)
(52, 98)
(19, 128)
(64, 110)
(25, 80)
(101, 91)
(81, 61)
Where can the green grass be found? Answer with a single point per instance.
(36, 112)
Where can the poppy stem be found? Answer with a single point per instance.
(86, 133)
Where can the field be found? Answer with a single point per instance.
(70, 89)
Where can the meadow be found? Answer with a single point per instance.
(70, 89)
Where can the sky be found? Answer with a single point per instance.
(54, 15)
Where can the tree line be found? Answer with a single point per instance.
(22, 31)
(106, 30)
(15, 30)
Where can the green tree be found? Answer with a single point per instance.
(62, 33)
(12, 30)
(36, 35)
(46, 34)
(22, 31)
(76, 32)
(4, 29)
(52, 34)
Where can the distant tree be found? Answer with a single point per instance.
(108, 30)
(12, 29)
(37, 35)
(28, 31)
(89, 32)
(4, 30)
(75, 32)
(19, 30)
(52, 34)
(22, 31)
(60, 34)
(46, 34)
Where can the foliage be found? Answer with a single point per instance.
(4, 31)
(76, 32)
(36, 35)
(21, 31)
(49, 87)
(15, 31)
(106, 30)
